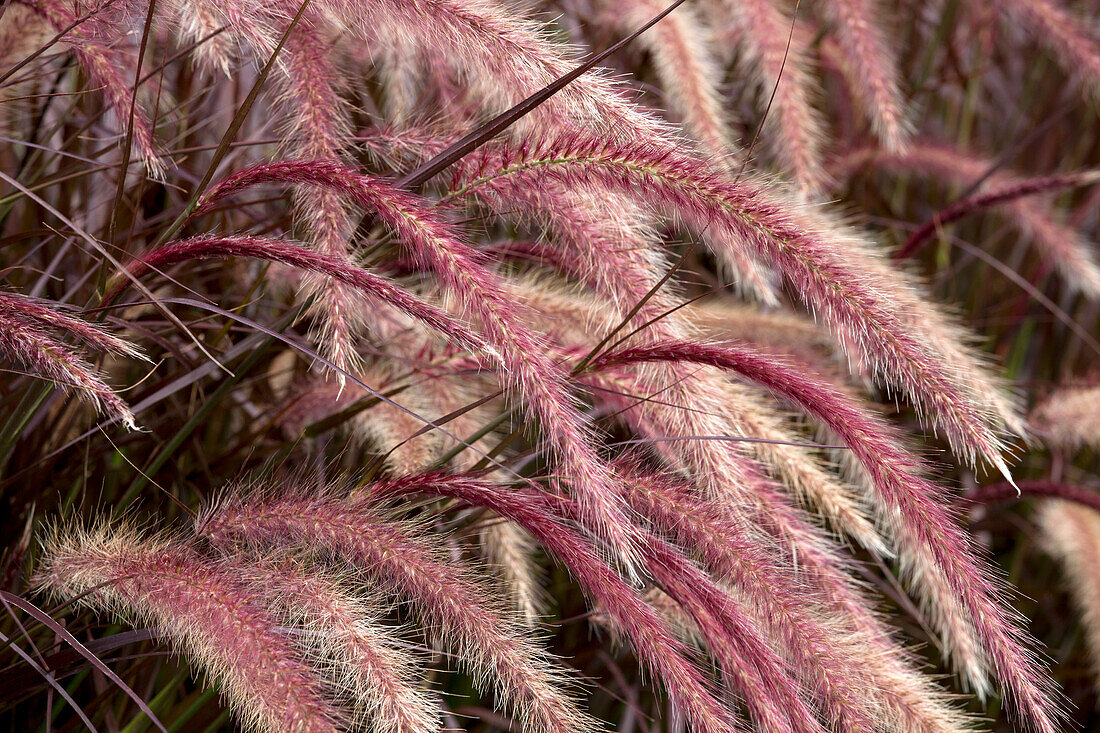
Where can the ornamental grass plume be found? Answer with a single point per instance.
(203, 608)
(1067, 249)
(861, 38)
(834, 272)
(681, 48)
(1072, 40)
(380, 678)
(26, 328)
(510, 370)
(775, 51)
(406, 564)
(934, 552)
(1068, 418)
(1071, 534)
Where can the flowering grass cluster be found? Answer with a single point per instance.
(418, 365)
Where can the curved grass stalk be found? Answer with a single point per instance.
(481, 294)
(24, 337)
(203, 610)
(1066, 248)
(872, 309)
(630, 617)
(940, 560)
(781, 73)
(408, 565)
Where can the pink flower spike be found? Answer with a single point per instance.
(666, 657)
(203, 610)
(410, 566)
(940, 560)
(542, 383)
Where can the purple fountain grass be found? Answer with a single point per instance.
(734, 639)
(834, 270)
(866, 674)
(723, 472)
(21, 306)
(319, 126)
(630, 617)
(481, 294)
(381, 678)
(776, 331)
(761, 29)
(503, 58)
(510, 552)
(1071, 533)
(407, 564)
(865, 45)
(937, 554)
(1071, 40)
(695, 402)
(988, 199)
(391, 429)
(203, 609)
(1066, 247)
(1067, 418)
(25, 337)
(680, 48)
(846, 694)
(749, 500)
(111, 69)
(197, 23)
(587, 226)
(635, 275)
(299, 256)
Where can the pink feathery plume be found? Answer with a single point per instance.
(1067, 249)
(939, 555)
(108, 67)
(92, 334)
(746, 498)
(734, 639)
(297, 255)
(856, 673)
(871, 308)
(343, 628)
(761, 29)
(503, 58)
(408, 565)
(198, 23)
(685, 400)
(25, 335)
(587, 226)
(1072, 40)
(1071, 534)
(632, 618)
(1068, 418)
(680, 48)
(862, 40)
(481, 294)
(204, 610)
(318, 125)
